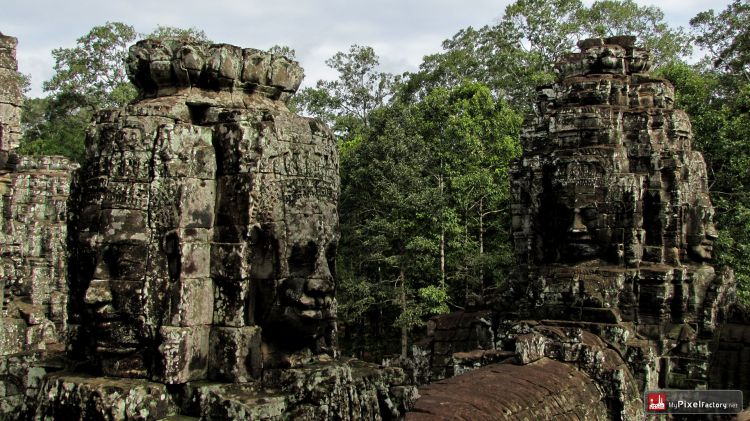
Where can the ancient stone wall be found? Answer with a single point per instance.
(33, 195)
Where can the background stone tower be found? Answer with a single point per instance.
(33, 195)
(613, 232)
(612, 220)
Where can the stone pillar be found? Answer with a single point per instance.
(10, 95)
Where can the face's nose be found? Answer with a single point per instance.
(577, 227)
(320, 281)
(711, 232)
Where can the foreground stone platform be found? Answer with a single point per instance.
(543, 390)
(350, 390)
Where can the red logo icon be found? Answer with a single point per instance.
(657, 401)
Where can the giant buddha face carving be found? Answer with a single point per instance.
(700, 232)
(295, 268)
(114, 305)
(586, 211)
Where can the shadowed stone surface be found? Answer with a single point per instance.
(613, 231)
(10, 97)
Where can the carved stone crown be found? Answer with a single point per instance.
(160, 67)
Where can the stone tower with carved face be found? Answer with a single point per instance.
(205, 223)
(612, 220)
(203, 229)
(613, 232)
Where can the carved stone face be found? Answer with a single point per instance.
(115, 308)
(297, 305)
(577, 218)
(580, 200)
(700, 232)
(295, 269)
(112, 300)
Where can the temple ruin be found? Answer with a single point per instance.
(613, 232)
(201, 239)
(186, 270)
(33, 195)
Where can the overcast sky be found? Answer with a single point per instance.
(401, 31)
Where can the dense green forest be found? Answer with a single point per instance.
(425, 155)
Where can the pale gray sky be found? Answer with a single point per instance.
(401, 31)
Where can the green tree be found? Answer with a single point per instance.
(346, 103)
(726, 36)
(625, 17)
(283, 50)
(183, 34)
(92, 75)
(385, 207)
(47, 134)
(518, 53)
(420, 193)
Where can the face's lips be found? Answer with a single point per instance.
(108, 349)
(111, 333)
(580, 238)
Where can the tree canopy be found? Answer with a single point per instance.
(518, 52)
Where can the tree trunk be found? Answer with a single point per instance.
(442, 233)
(404, 329)
(481, 243)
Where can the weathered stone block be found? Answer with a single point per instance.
(256, 66)
(197, 201)
(233, 303)
(128, 166)
(225, 64)
(235, 354)
(228, 261)
(126, 195)
(238, 147)
(10, 93)
(184, 353)
(82, 398)
(12, 336)
(192, 302)
(285, 74)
